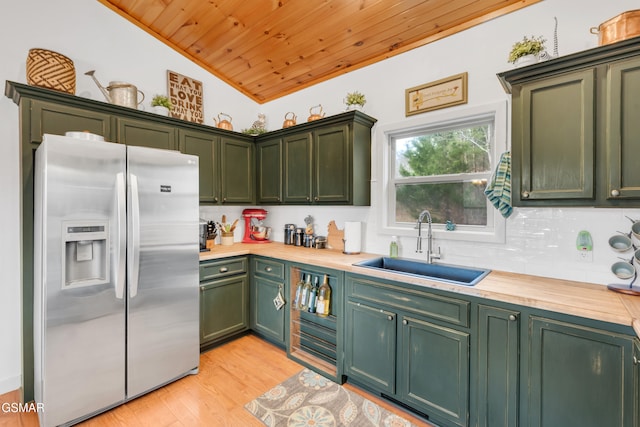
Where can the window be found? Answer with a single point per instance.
(443, 165)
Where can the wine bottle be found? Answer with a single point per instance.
(298, 297)
(324, 298)
(313, 296)
(304, 296)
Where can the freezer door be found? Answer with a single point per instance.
(79, 322)
(162, 267)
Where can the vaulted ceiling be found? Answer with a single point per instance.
(270, 48)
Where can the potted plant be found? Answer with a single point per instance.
(355, 100)
(526, 51)
(161, 104)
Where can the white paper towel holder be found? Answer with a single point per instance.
(352, 231)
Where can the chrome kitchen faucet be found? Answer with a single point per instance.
(430, 255)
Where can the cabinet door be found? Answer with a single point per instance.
(433, 373)
(237, 170)
(332, 165)
(578, 376)
(636, 382)
(223, 308)
(370, 346)
(266, 318)
(205, 146)
(144, 133)
(57, 119)
(498, 367)
(623, 128)
(297, 168)
(269, 166)
(554, 139)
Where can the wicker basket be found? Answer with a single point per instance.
(52, 70)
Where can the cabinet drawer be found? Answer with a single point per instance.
(222, 268)
(268, 268)
(447, 309)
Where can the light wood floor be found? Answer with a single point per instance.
(230, 376)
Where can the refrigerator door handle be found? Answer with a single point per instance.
(121, 251)
(133, 255)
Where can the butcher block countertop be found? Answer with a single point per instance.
(563, 296)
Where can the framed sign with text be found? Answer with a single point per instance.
(442, 93)
(186, 97)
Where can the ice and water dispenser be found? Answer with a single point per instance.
(85, 253)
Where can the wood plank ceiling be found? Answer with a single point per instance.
(270, 48)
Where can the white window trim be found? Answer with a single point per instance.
(495, 230)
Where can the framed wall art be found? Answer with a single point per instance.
(442, 93)
(186, 97)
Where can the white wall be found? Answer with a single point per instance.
(539, 241)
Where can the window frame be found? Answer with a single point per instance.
(494, 231)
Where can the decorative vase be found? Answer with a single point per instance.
(523, 61)
(358, 107)
(159, 109)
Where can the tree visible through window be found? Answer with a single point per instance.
(444, 170)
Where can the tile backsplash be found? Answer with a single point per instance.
(539, 241)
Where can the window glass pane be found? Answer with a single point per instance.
(444, 152)
(460, 202)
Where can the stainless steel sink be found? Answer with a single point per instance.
(441, 272)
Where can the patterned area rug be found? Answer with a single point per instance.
(309, 399)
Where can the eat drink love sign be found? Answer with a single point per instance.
(186, 97)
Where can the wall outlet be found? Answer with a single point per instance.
(585, 256)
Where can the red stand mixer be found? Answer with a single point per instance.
(254, 231)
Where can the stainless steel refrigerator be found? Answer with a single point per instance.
(116, 310)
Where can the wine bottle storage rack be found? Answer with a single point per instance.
(313, 339)
(316, 338)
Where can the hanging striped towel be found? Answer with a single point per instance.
(499, 189)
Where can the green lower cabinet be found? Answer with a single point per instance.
(579, 376)
(433, 373)
(266, 319)
(636, 382)
(498, 365)
(223, 308)
(370, 347)
(268, 281)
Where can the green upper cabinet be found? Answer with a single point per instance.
(226, 166)
(206, 146)
(574, 128)
(237, 170)
(268, 171)
(327, 161)
(623, 129)
(297, 172)
(146, 133)
(332, 165)
(553, 138)
(57, 119)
